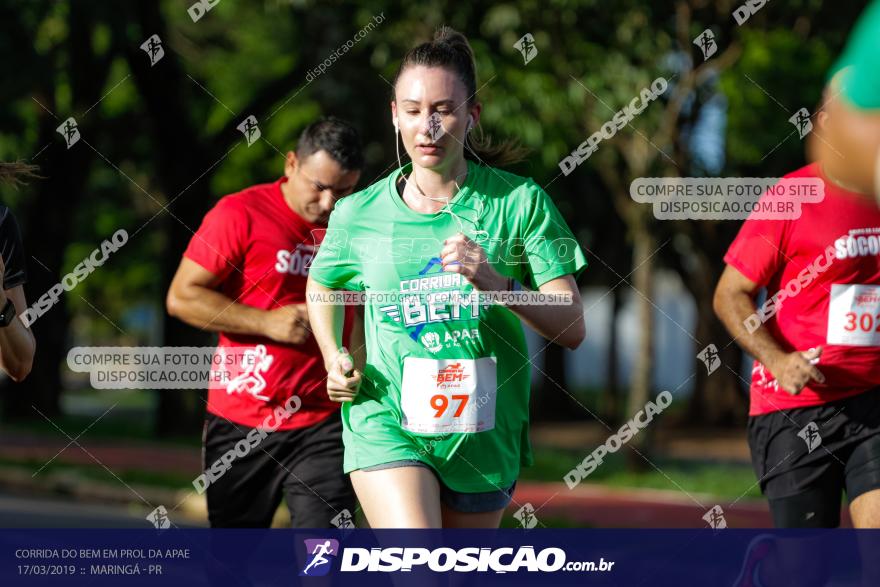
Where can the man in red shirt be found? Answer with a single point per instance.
(814, 425)
(270, 427)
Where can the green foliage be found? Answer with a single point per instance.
(593, 57)
(761, 100)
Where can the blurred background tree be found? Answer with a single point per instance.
(159, 146)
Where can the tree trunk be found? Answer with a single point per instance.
(554, 401)
(50, 211)
(644, 247)
(611, 391)
(718, 398)
(182, 157)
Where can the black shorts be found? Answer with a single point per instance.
(305, 465)
(805, 486)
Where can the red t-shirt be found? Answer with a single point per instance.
(261, 250)
(835, 242)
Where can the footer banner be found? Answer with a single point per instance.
(194, 558)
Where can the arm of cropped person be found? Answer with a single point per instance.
(734, 303)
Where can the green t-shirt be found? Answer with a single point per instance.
(861, 84)
(447, 380)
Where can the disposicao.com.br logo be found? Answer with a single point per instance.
(441, 560)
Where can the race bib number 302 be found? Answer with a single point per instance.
(449, 395)
(854, 315)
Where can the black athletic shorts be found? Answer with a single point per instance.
(805, 458)
(303, 465)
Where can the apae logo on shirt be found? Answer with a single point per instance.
(431, 341)
(450, 339)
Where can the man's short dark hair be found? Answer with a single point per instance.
(337, 137)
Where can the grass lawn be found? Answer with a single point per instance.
(127, 416)
(132, 476)
(727, 480)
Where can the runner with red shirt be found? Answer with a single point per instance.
(244, 275)
(814, 425)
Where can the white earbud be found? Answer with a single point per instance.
(470, 123)
(397, 142)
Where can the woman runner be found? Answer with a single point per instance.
(436, 415)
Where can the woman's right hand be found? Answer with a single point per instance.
(343, 380)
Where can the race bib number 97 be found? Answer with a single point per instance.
(449, 395)
(854, 315)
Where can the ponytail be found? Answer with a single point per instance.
(17, 173)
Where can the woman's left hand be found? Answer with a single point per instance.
(462, 255)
